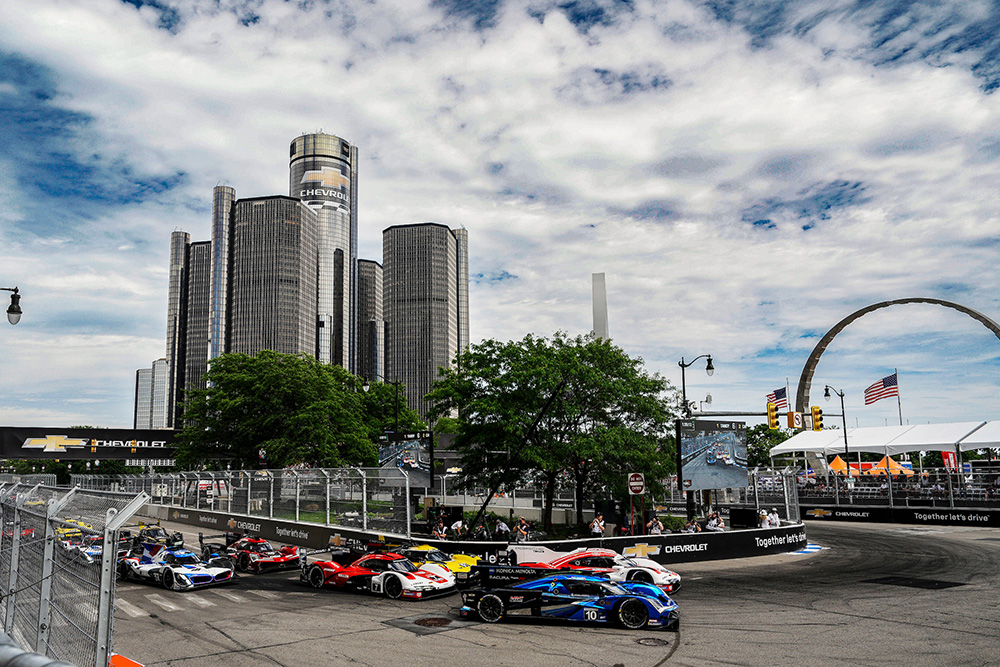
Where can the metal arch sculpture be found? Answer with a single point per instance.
(805, 380)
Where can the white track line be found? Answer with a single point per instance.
(130, 609)
(160, 601)
(267, 595)
(231, 596)
(198, 600)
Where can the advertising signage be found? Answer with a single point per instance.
(88, 443)
(713, 454)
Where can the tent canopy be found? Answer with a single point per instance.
(888, 440)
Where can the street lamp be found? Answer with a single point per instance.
(366, 386)
(843, 414)
(14, 309)
(709, 368)
(702, 404)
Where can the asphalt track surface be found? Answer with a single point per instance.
(875, 594)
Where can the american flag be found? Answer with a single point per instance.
(884, 388)
(779, 397)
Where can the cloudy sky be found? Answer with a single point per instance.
(745, 173)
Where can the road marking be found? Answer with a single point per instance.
(130, 609)
(231, 596)
(808, 549)
(267, 595)
(88, 611)
(198, 600)
(160, 601)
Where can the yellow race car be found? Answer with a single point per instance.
(425, 553)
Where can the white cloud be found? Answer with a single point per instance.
(525, 134)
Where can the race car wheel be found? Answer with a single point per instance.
(316, 577)
(243, 563)
(641, 577)
(632, 614)
(490, 608)
(124, 571)
(393, 587)
(206, 553)
(168, 580)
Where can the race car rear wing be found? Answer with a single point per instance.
(490, 576)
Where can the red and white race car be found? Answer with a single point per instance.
(250, 554)
(386, 574)
(599, 561)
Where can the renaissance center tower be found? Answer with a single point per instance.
(323, 175)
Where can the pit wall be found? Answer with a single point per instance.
(938, 516)
(665, 549)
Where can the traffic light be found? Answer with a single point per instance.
(817, 421)
(772, 415)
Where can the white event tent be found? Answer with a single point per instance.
(890, 440)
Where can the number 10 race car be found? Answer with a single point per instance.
(388, 574)
(576, 597)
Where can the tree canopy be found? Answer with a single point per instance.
(607, 417)
(295, 409)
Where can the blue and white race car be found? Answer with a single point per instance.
(176, 568)
(576, 597)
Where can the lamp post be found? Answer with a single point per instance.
(843, 414)
(702, 404)
(366, 386)
(709, 369)
(14, 309)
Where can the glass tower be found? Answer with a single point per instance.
(197, 323)
(371, 323)
(176, 304)
(323, 175)
(223, 197)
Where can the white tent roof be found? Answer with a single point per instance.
(895, 439)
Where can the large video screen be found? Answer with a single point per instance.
(412, 452)
(713, 454)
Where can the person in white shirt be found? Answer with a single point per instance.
(715, 523)
(597, 526)
(773, 519)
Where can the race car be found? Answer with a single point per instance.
(154, 532)
(577, 598)
(249, 554)
(389, 574)
(175, 568)
(423, 554)
(599, 561)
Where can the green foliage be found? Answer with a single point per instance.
(607, 418)
(291, 406)
(760, 440)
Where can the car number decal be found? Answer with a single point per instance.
(376, 585)
(590, 614)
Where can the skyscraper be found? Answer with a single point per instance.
(272, 296)
(176, 302)
(151, 396)
(371, 323)
(197, 312)
(223, 197)
(323, 174)
(426, 304)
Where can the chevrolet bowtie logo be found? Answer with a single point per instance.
(819, 512)
(641, 550)
(329, 176)
(231, 524)
(54, 443)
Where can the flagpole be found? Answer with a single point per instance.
(899, 403)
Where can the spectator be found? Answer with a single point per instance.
(597, 526)
(502, 530)
(440, 532)
(773, 519)
(655, 526)
(521, 530)
(763, 520)
(715, 523)
(692, 526)
(459, 528)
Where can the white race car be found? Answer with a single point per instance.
(598, 561)
(176, 568)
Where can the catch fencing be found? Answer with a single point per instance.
(59, 599)
(930, 488)
(366, 498)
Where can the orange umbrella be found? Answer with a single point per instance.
(838, 466)
(890, 466)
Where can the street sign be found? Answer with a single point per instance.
(636, 484)
(794, 420)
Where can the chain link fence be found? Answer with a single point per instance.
(367, 498)
(58, 555)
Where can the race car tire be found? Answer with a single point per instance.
(316, 576)
(243, 563)
(206, 553)
(640, 576)
(393, 587)
(490, 608)
(168, 580)
(124, 571)
(632, 614)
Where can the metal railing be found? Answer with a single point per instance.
(932, 487)
(366, 498)
(59, 599)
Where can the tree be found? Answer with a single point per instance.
(607, 417)
(290, 406)
(760, 440)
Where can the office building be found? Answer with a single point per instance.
(272, 295)
(151, 396)
(323, 174)
(425, 304)
(223, 197)
(371, 323)
(197, 315)
(176, 337)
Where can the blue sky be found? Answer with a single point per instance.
(746, 174)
